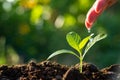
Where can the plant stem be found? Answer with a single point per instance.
(80, 66)
(81, 59)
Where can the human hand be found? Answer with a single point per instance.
(98, 7)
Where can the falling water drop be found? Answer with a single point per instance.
(91, 39)
(89, 30)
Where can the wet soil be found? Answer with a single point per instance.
(47, 70)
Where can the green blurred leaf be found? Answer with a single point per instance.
(69, 20)
(73, 39)
(36, 13)
(62, 52)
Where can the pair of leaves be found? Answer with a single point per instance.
(75, 42)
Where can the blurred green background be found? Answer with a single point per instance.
(33, 29)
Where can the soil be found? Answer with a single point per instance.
(48, 70)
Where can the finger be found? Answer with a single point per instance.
(91, 17)
(98, 7)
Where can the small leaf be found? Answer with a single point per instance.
(83, 42)
(93, 41)
(73, 40)
(62, 52)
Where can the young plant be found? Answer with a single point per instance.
(81, 46)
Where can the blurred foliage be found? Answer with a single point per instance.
(33, 29)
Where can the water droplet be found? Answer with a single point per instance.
(89, 30)
(91, 39)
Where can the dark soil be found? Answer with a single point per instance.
(47, 70)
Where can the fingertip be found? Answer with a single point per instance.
(88, 25)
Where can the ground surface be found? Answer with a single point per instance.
(47, 70)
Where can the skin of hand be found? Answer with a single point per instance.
(98, 7)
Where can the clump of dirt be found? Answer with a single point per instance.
(91, 72)
(47, 70)
(33, 71)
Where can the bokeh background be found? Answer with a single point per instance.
(33, 29)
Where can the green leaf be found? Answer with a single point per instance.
(73, 40)
(83, 42)
(93, 41)
(62, 52)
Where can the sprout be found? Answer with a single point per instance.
(81, 46)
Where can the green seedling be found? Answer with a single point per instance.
(81, 46)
